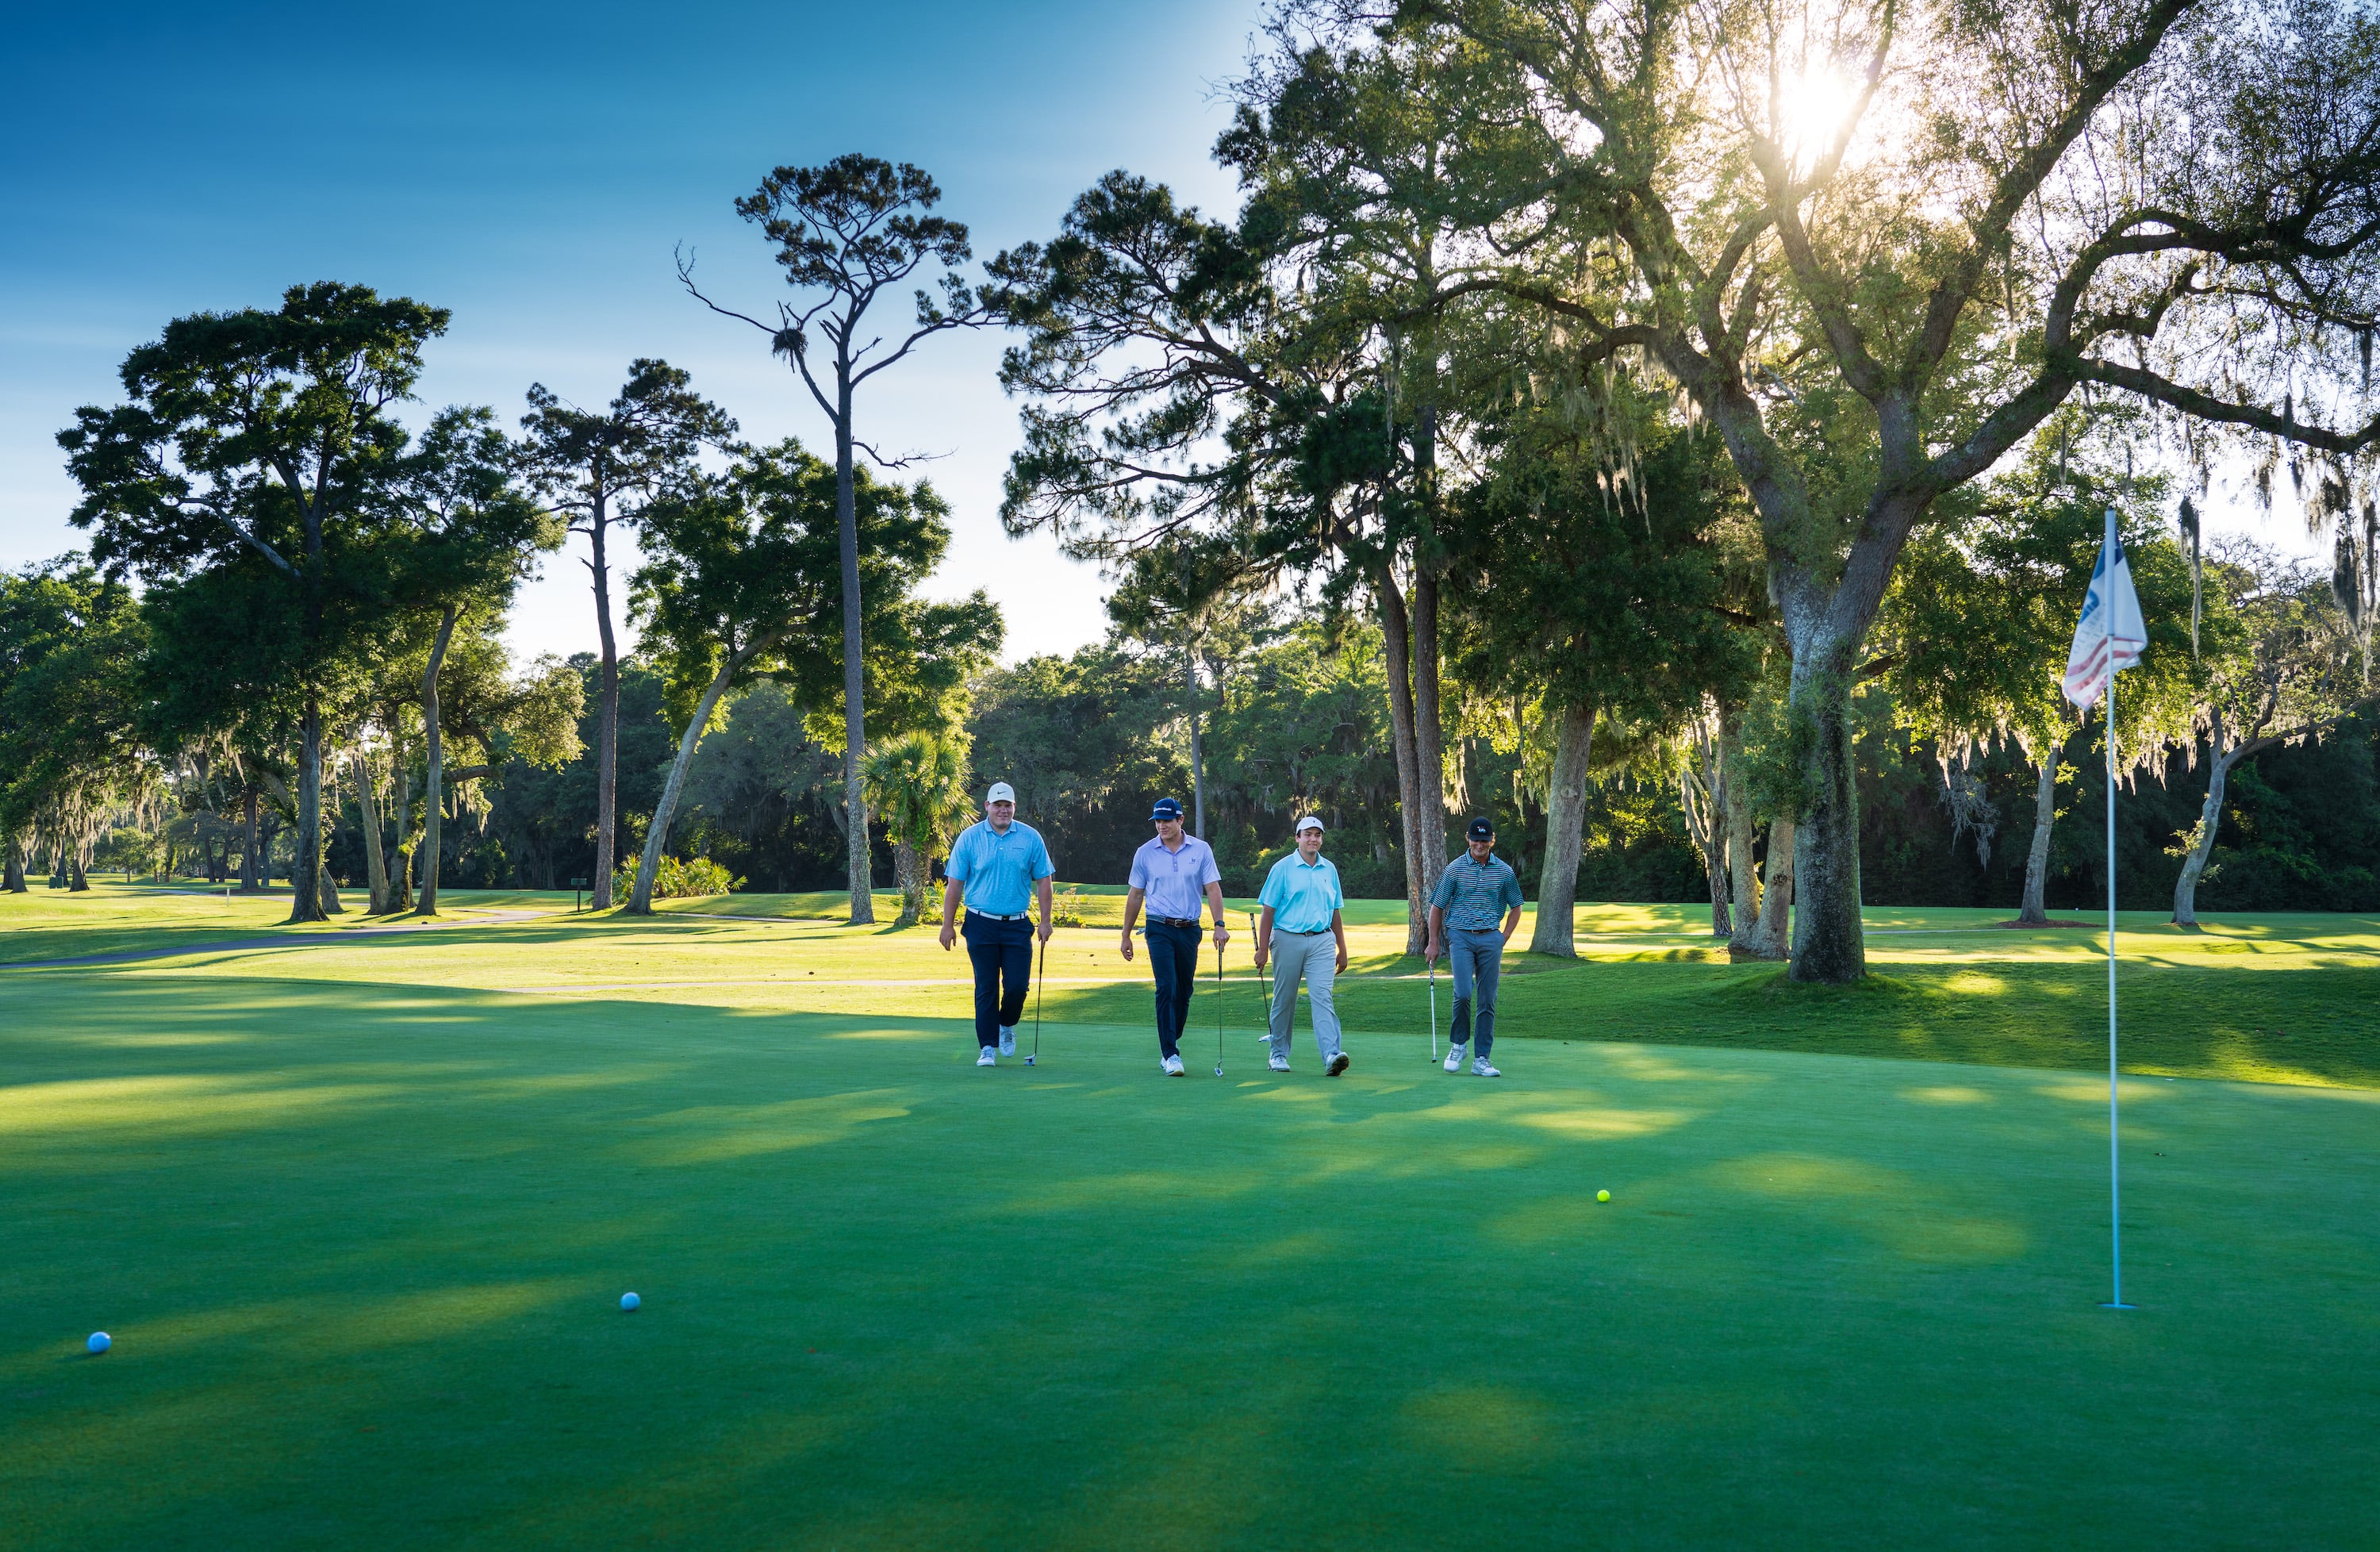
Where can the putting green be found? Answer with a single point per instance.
(359, 1216)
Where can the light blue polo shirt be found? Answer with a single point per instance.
(1302, 897)
(999, 870)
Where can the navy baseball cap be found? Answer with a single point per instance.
(1166, 809)
(1481, 830)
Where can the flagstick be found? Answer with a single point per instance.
(2115, 1184)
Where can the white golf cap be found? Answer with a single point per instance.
(1310, 822)
(1001, 792)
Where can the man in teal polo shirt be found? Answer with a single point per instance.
(1301, 902)
(1001, 864)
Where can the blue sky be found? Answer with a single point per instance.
(532, 168)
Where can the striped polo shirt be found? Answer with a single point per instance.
(1474, 895)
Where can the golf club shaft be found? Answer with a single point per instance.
(1041, 963)
(1219, 1010)
(1433, 1010)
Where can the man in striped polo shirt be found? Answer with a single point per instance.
(1462, 911)
(1175, 874)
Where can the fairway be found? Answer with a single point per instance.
(359, 1216)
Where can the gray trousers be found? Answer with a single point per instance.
(1314, 955)
(1478, 958)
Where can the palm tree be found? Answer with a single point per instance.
(916, 783)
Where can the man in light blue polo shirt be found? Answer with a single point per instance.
(1001, 864)
(1174, 872)
(1301, 902)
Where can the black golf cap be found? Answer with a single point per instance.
(1166, 809)
(1481, 830)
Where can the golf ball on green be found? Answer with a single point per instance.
(100, 1341)
(629, 1301)
(1603, 1196)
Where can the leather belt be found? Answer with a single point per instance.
(994, 915)
(1176, 921)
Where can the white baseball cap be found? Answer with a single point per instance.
(1310, 822)
(1001, 792)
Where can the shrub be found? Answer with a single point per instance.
(679, 880)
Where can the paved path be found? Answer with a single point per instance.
(279, 940)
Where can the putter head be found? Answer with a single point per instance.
(1028, 1062)
(1218, 1069)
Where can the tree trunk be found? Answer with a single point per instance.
(1565, 834)
(1429, 737)
(909, 872)
(1773, 930)
(12, 870)
(306, 866)
(860, 865)
(400, 892)
(2035, 910)
(2210, 818)
(1397, 647)
(1827, 944)
(1715, 851)
(251, 860)
(1745, 875)
(375, 860)
(607, 719)
(78, 881)
(1198, 755)
(327, 891)
(640, 897)
(435, 788)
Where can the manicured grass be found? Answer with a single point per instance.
(359, 1216)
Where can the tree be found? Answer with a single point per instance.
(1195, 603)
(917, 783)
(257, 448)
(70, 751)
(596, 467)
(1877, 245)
(742, 580)
(472, 539)
(1973, 634)
(1594, 604)
(848, 233)
(2290, 680)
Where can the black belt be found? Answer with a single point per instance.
(1175, 921)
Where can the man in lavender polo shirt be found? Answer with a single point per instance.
(1172, 873)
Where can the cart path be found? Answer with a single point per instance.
(278, 940)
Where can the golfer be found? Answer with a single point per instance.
(1172, 873)
(1301, 902)
(1475, 887)
(1003, 864)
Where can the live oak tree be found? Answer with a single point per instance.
(597, 468)
(742, 580)
(2291, 676)
(849, 234)
(71, 751)
(1877, 243)
(255, 455)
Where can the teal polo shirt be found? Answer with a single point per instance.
(1302, 897)
(999, 870)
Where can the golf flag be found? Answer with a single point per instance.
(2109, 637)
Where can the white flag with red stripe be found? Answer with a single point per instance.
(2110, 635)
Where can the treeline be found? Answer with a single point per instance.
(1699, 469)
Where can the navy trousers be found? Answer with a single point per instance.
(1002, 953)
(1173, 955)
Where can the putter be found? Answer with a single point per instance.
(1433, 1012)
(1264, 1020)
(1218, 1013)
(1042, 965)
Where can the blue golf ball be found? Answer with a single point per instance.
(629, 1301)
(99, 1342)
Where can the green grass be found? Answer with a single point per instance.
(359, 1216)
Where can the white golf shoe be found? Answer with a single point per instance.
(1454, 1055)
(984, 1058)
(1007, 1040)
(1281, 1065)
(1480, 1069)
(1172, 1066)
(1337, 1064)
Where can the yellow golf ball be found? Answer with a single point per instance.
(1603, 1196)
